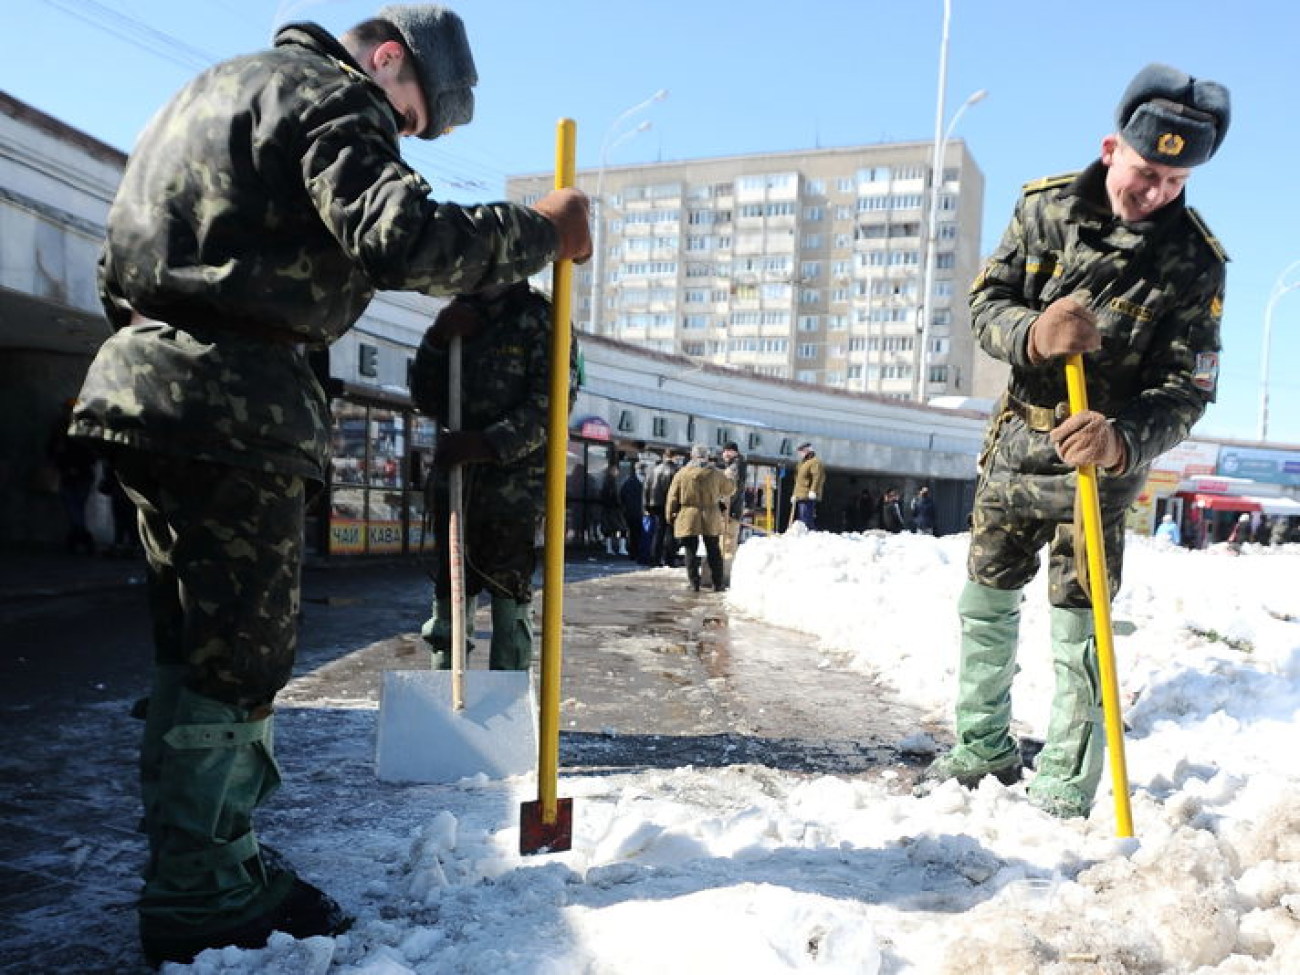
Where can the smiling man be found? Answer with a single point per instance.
(1110, 263)
(258, 214)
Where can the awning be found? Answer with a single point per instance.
(1226, 502)
(1277, 506)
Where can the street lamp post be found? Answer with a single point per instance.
(925, 311)
(611, 140)
(1279, 289)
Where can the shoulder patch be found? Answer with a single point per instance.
(1048, 182)
(1207, 235)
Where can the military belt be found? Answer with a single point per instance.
(1040, 418)
(241, 327)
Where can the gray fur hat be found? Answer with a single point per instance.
(445, 66)
(1169, 117)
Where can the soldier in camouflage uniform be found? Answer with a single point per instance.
(259, 212)
(506, 397)
(1110, 263)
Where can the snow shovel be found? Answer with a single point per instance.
(446, 725)
(546, 825)
(1099, 590)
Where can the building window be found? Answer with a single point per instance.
(367, 359)
(807, 350)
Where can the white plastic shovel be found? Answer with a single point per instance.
(446, 725)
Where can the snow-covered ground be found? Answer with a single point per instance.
(752, 870)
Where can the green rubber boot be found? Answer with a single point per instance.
(436, 631)
(208, 884)
(1070, 765)
(512, 634)
(205, 874)
(990, 630)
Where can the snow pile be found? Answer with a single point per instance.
(750, 869)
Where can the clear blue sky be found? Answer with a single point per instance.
(759, 76)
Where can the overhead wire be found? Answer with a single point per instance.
(439, 164)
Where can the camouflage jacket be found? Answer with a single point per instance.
(1157, 289)
(259, 212)
(505, 390)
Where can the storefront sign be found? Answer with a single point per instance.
(346, 537)
(1189, 458)
(349, 537)
(1160, 484)
(385, 536)
(593, 428)
(1269, 466)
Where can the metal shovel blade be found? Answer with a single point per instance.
(538, 836)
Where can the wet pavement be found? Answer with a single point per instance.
(654, 676)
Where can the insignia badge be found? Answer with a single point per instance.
(1216, 306)
(1171, 144)
(1206, 374)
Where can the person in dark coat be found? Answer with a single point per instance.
(630, 494)
(891, 511)
(923, 512)
(663, 545)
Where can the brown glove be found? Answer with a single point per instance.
(1089, 438)
(568, 210)
(459, 317)
(1064, 328)
(462, 447)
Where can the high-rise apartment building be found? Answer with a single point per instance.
(799, 265)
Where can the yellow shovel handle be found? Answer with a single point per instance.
(1099, 586)
(557, 451)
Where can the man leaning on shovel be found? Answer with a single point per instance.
(506, 398)
(1112, 264)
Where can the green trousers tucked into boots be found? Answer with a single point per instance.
(512, 634)
(206, 766)
(1070, 765)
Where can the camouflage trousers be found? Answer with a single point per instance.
(499, 538)
(224, 548)
(1026, 499)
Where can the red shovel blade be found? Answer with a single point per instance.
(537, 836)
